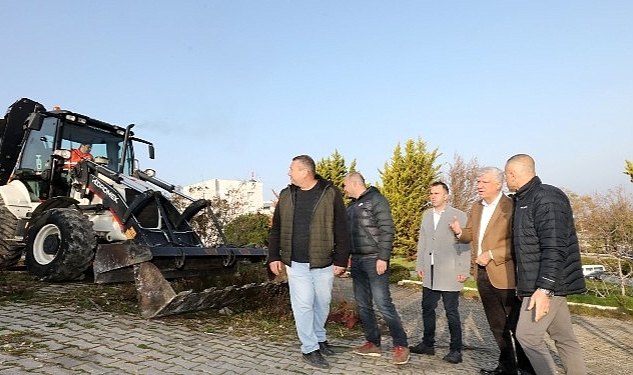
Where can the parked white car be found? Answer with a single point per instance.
(589, 268)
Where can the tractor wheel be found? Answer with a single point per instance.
(10, 249)
(60, 245)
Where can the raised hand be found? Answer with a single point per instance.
(455, 227)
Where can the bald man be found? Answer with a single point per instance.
(372, 231)
(548, 265)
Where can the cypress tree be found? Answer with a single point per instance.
(406, 181)
(333, 168)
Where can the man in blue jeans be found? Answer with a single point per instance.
(372, 230)
(309, 238)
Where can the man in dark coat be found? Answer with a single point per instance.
(371, 228)
(547, 258)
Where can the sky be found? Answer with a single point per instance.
(236, 89)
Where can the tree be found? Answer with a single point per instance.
(333, 168)
(583, 206)
(406, 181)
(220, 212)
(629, 169)
(462, 179)
(612, 228)
(248, 229)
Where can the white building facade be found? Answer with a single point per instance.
(250, 193)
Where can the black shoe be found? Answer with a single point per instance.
(326, 348)
(421, 348)
(316, 359)
(496, 371)
(453, 357)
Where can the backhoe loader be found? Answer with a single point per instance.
(101, 212)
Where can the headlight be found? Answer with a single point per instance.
(101, 160)
(150, 172)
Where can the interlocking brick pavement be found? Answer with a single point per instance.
(96, 342)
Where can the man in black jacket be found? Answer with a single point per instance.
(372, 231)
(547, 258)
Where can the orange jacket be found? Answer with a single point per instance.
(75, 157)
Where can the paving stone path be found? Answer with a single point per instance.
(96, 342)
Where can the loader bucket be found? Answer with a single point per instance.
(157, 297)
(111, 261)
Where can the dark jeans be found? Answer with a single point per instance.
(502, 309)
(430, 298)
(370, 288)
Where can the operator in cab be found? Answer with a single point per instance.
(78, 154)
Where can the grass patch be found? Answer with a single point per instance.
(407, 263)
(401, 269)
(20, 342)
(613, 300)
(245, 323)
(119, 298)
(470, 283)
(265, 314)
(259, 323)
(604, 294)
(619, 313)
(16, 287)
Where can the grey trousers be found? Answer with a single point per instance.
(557, 323)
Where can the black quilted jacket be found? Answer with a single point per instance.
(371, 225)
(545, 245)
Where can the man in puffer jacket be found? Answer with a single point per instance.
(371, 228)
(548, 266)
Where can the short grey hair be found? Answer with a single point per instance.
(306, 162)
(496, 173)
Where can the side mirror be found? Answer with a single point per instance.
(151, 151)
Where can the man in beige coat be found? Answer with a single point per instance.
(489, 229)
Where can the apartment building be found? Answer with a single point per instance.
(250, 193)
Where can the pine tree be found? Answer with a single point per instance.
(405, 183)
(333, 168)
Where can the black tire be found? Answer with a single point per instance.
(60, 245)
(10, 249)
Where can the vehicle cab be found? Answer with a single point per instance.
(45, 166)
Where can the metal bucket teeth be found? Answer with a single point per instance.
(157, 297)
